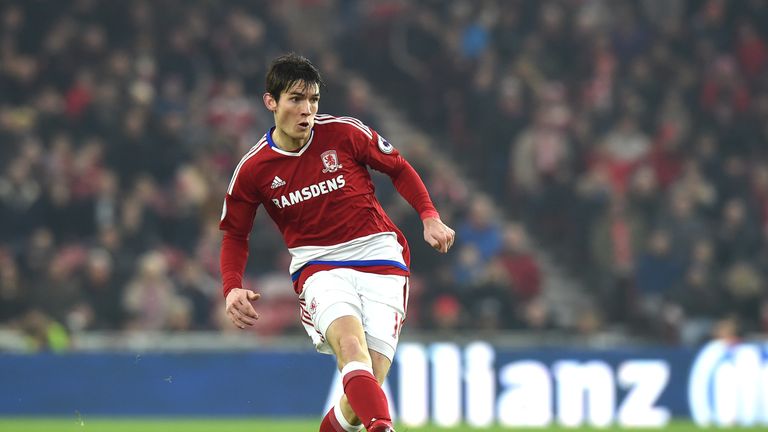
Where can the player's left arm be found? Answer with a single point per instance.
(382, 156)
(439, 235)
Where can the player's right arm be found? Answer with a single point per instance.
(233, 258)
(239, 307)
(239, 210)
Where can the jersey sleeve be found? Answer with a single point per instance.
(238, 212)
(375, 151)
(240, 203)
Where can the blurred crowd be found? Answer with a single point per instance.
(628, 138)
(121, 124)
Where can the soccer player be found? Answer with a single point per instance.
(350, 263)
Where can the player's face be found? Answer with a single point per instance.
(296, 109)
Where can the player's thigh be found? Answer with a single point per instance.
(326, 297)
(383, 300)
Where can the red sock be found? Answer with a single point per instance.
(334, 421)
(330, 424)
(364, 393)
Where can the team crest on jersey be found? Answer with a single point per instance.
(330, 161)
(313, 306)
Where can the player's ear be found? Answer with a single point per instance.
(270, 102)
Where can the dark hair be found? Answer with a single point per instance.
(289, 69)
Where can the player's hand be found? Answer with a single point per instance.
(240, 307)
(439, 235)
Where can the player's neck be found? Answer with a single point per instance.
(286, 143)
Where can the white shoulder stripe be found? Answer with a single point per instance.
(363, 129)
(347, 118)
(361, 124)
(255, 149)
(354, 120)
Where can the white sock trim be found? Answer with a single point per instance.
(355, 365)
(347, 426)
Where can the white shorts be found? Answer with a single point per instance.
(378, 301)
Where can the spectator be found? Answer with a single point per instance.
(737, 238)
(625, 146)
(657, 272)
(43, 333)
(481, 229)
(149, 297)
(700, 299)
(13, 301)
(615, 241)
(446, 314)
(683, 224)
(745, 287)
(102, 292)
(520, 265)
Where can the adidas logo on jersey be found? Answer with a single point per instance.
(277, 182)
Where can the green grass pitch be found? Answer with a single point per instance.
(83, 424)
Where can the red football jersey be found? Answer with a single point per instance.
(322, 198)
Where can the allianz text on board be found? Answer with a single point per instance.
(448, 384)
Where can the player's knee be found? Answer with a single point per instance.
(352, 349)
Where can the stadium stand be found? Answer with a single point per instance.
(626, 140)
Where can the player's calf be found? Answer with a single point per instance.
(365, 395)
(334, 421)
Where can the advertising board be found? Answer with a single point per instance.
(441, 383)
